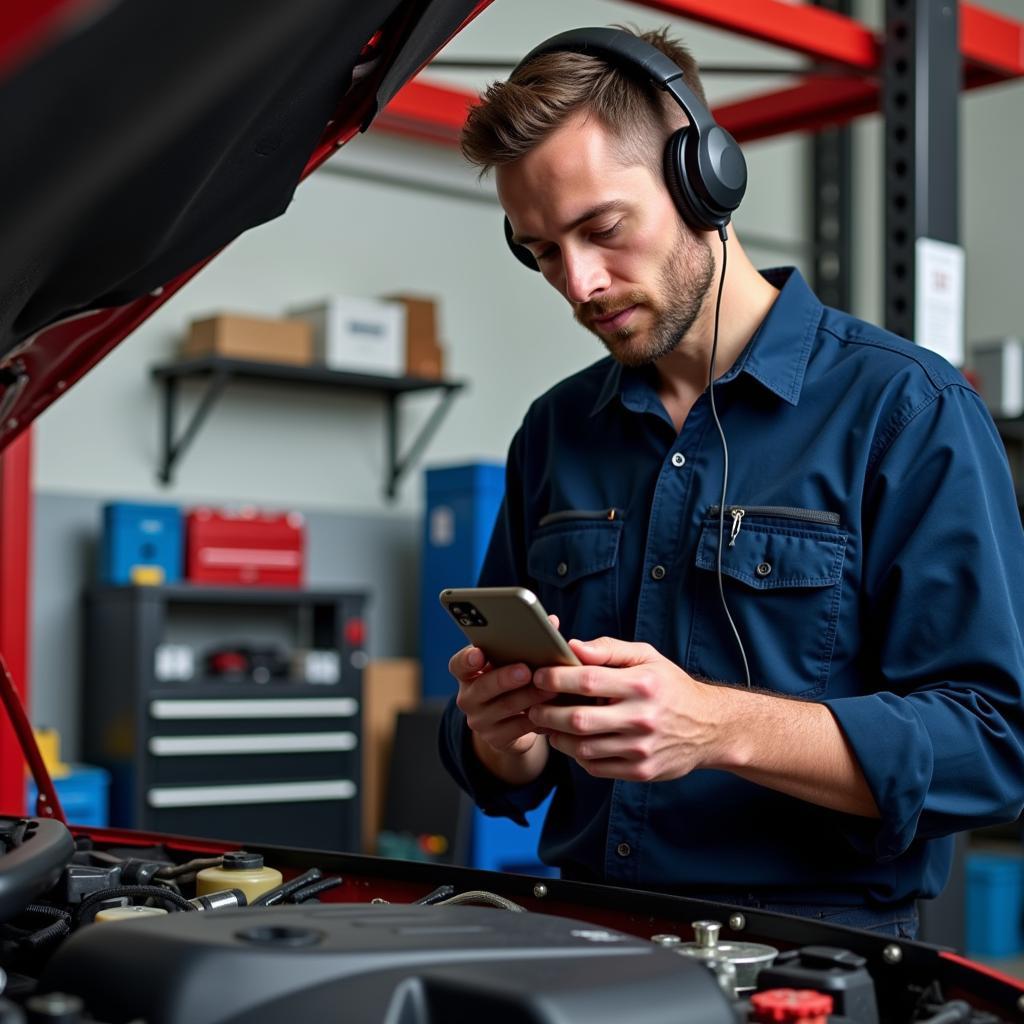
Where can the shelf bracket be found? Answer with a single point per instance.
(173, 450)
(398, 466)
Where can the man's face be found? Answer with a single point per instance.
(608, 237)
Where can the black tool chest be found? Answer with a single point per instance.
(226, 756)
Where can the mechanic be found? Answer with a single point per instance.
(870, 707)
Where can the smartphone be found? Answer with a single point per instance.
(509, 625)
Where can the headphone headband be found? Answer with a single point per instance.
(705, 172)
(630, 55)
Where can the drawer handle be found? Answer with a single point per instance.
(315, 707)
(279, 743)
(272, 793)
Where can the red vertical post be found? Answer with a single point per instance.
(15, 574)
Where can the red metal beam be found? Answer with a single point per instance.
(814, 103)
(15, 566)
(991, 42)
(812, 31)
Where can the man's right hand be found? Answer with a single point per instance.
(495, 702)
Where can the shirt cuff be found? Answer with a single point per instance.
(894, 751)
(493, 796)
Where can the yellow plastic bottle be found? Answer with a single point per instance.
(239, 870)
(131, 913)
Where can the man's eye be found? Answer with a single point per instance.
(608, 232)
(546, 254)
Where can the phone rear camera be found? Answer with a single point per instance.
(467, 614)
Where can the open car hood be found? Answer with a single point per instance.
(139, 139)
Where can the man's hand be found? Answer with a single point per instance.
(653, 722)
(495, 702)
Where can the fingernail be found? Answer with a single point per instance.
(475, 659)
(521, 674)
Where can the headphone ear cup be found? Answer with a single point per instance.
(520, 252)
(690, 206)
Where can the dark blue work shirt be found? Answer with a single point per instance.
(878, 568)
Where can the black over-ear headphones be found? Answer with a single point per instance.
(705, 172)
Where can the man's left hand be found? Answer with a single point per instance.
(652, 721)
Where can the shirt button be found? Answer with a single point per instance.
(679, 460)
(658, 572)
(763, 569)
(561, 568)
(623, 850)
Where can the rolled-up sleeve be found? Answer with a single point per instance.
(940, 742)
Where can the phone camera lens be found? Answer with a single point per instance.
(466, 620)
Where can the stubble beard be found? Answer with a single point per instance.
(684, 282)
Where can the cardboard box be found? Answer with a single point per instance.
(245, 337)
(390, 685)
(357, 335)
(424, 356)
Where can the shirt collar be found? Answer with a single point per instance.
(776, 355)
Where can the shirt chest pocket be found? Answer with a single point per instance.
(782, 579)
(574, 568)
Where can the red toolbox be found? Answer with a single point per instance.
(247, 547)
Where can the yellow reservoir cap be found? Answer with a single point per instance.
(239, 870)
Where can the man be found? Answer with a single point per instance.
(871, 556)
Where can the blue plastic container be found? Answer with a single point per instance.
(462, 505)
(995, 904)
(82, 795)
(141, 543)
(499, 844)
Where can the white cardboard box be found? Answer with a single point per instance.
(356, 334)
(1000, 368)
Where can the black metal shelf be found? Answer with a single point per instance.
(219, 371)
(200, 593)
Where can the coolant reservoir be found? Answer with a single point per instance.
(239, 870)
(128, 913)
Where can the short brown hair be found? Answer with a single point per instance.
(518, 114)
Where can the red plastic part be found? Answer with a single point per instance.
(778, 1005)
(355, 633)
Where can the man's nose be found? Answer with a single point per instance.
(585, 275)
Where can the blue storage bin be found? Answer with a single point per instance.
(462, 505)
(141, 543)
(82, 794)
(499, 844)
(995, 904)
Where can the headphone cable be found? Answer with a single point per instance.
(724, 235)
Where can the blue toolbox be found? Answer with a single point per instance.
(141, 543)
(83, 795)
(995, 903)
(462, 505)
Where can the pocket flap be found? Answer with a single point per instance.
(563, 555)
(768, 556)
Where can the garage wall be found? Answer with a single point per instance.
(508, 335)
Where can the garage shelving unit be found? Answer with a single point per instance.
(219, 371)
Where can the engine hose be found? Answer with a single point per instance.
(309, 891)
(479, 896)
(283, 891)
(88, 907)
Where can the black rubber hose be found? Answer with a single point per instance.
(88, 907)
(442, 892)
(309, 891)
(283, 891)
